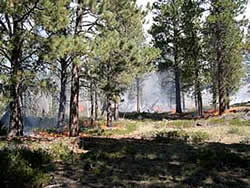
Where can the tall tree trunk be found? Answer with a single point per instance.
(198, 93)
(109, 111)
(96, 104)
(222, 97)
(177, 90)
(63, 98)
(138, 94)
(214, 96)
(92, 103)
(116, 111)
(74, 102)
(220, 71)
(16, 119)
(199, 103)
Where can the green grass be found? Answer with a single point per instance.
(239, 122)
(216, 121)
(181, 123)
(181, 135)
(236, 130)
(119, 128)
(129, 127)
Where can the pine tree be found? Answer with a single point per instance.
(226, 37)
(193, 49)
(20, 48)
(69, 48)
(167, 33)
(119, 49)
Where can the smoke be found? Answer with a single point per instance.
(157, 94)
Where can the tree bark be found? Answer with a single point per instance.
(63, 98)
(214, 97)
(220, 71)
(198, 93)
(92, 103)
(16, 120)
(74, 102)
(177, 90)
(109, 111)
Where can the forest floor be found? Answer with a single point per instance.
(143, 150)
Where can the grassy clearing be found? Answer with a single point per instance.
(144, 153)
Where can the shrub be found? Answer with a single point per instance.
(22, 167)
(171, 135)
(60, 151)
(216, 120)
(199, 136)
(235, 130)
(182, 123)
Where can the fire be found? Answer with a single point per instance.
(172, 111)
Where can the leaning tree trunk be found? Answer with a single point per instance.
(63, 98)
(109, 112)
(177, 90)
(74, 102)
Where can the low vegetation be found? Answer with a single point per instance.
(133, 153)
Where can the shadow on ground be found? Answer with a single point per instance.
(144, 163)
(157, 116)
(22, 167)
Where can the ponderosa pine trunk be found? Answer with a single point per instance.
(109, 111)
(63, 98)
(177, 90)
(220, 71)
(214, 96)
(199, 103)
(16, 119)
(91, 103)
(74, 102)
(198, 94)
